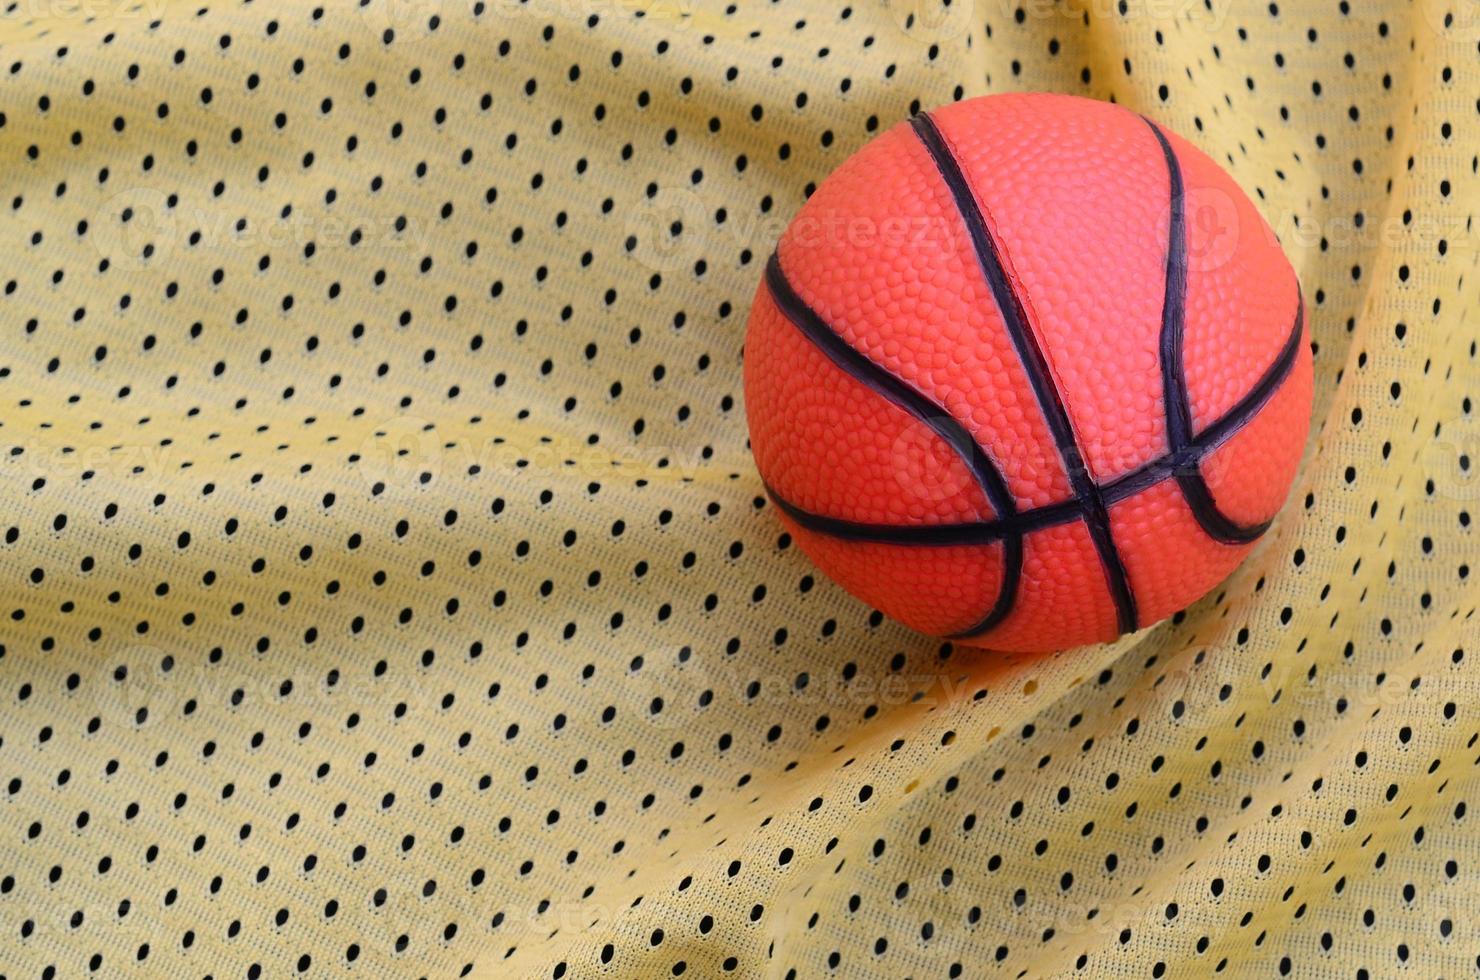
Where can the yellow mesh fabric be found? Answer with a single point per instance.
(387, 587)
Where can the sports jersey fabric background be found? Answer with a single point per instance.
(388, 588)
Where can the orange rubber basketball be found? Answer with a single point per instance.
(1028, 371)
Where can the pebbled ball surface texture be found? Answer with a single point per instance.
(902, 401)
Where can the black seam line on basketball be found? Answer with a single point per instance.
(1178, 404)
(858, 365)
(1050, 515)
(1035, 364)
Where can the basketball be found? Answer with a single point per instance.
(1028, 371)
